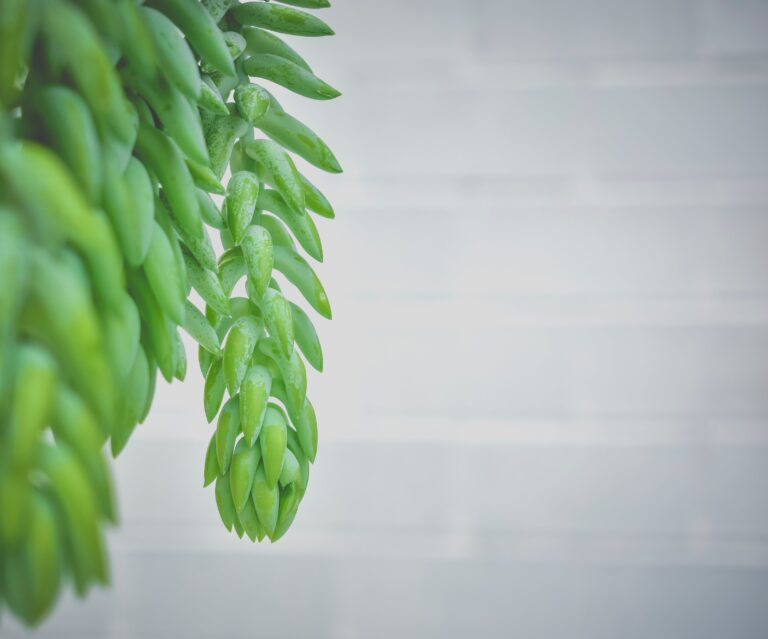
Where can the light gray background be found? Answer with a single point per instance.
(545, 407)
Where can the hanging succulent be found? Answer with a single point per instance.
(119, 120)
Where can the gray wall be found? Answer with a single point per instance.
(545, 409)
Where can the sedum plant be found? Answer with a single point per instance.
(120, 119)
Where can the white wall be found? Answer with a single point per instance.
(545, 407)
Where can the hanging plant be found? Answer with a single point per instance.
(119, 121)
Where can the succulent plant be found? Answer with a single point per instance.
(119, 121)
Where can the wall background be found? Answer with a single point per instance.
(545, 407)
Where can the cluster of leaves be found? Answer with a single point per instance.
(119, 121)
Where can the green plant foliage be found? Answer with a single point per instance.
(119, 119)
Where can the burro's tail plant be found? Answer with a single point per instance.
(119, 120)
